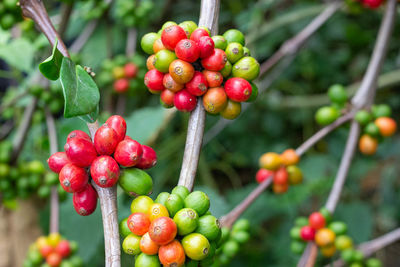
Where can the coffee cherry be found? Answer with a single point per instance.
(328, 251)
(324, 237)
(105, 140)
(234, 51)
(173, 203)
(214, 78)
(196, 246)
(289, 157)
(316, 220)
(247, 68)
(198, 33)
(154, 80)
(234, 35)
(372, 129)
(135, 182)
(387, 126)
(237, 89)
(130, 70)
(163, 58)
(157, 210)
(121, 85)
(263, 174)
(216, 61)
(104, 171)
(85, 201)
(46, 250)
(130, 245)
(63, 248)
(270, 161)
(220, 42)
(181, 191)
(117, 123)
(128, 153)
(143, 260)
(226, 70)
(162, 230)
(281, 176)
(326, 214)
(80, 152)
(343, 242)
(158, 45)
(186, 221)
(172, 254)
(57, 161)
(181, 71)
(147, 42)
(78, 134)
(141, 204)
(307, 233)
(246, 52)
(148, 159)
(147, 245)
(367, 144)
(199, 201)
(382, 110)
(232, 110)
(295, 174)
(339, 228)
(206, 46)
(151, 60)
(326, 115)
(209, 227)
(373, 262)
(138, 223)
(118, 73)
(54, 259)
(337, 94)
(73, 178)
(171, 36)
(170, 84)
(167, 98)
(215, 100)
(188, 26)
(372, 4)
(187, 50)
(185, 101)
(280, 188)
(198, 85)
(297, 247)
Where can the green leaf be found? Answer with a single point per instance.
(50, 67)
(81, 94)
(18, 53)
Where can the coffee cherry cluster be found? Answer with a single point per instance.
(53, 251)
(230, 242)
(328, 114)
(330, 236)
(122, 74)
(101, 161)
(371, 4)
(186, 63)
(10, 13)
(176, 229)
(377, 125)
(281, 168)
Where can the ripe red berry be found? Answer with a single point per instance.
(85, 202)
(281, 176)
(216, 61)
(172, 254)
(130, 70)
(105, 140)
(73, 178)
(307, 233)
(373, 4)
(57, 161)
(171, 35)
(198, 84)
(54, 259)
(162, 230)
(154, 80)
(167, 98)
(316, 220)
(46, 250)
(198, 33)
(206, 46)
(104, 171)
(121, 85)
(119, 125)
(80, 152)
(148, 159)
(187, 50)
(214, 78)
(78, 134)
(238, 89)
(138, 223)
(263, 174)
(181, 71)
(128, 153)
(185, 101)
(63, 248)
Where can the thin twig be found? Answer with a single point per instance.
(66, 14)
(82, 39)
(131, 40)
(209, 14)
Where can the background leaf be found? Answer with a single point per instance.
(11, 53)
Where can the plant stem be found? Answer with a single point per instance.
(66, 14)
(131, 40)
(209, 14)
(82, 39)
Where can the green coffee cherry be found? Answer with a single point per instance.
(337, 94)
(326, 115)
(363, 117)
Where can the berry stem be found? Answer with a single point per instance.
(209, 13)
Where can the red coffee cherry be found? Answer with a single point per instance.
(138, 223)
(57, 161)
(78, 134)
(187, 50)
(214, 78)
(54, 259)
(198, 33)
(263, 174)
(162, 230)
(154, 80)
(63, 248)
(198, 85)
(121, 85)
(172, 254)
(316, 220)
(73, 178)
(119, 125)
(185, 101)
(130, 70)
(167, 98)
(105, 140)
(85, 202)
(128, 153)
(46, 250)
(216, 61)
(80, 152)
(148, 159)
(281, 176)
(373, 4)
(206, 46)
(105, 171)
(181, 71)
(171, 36)
(170, 83)
(215, 100)
(307, 233)
(238, 89)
